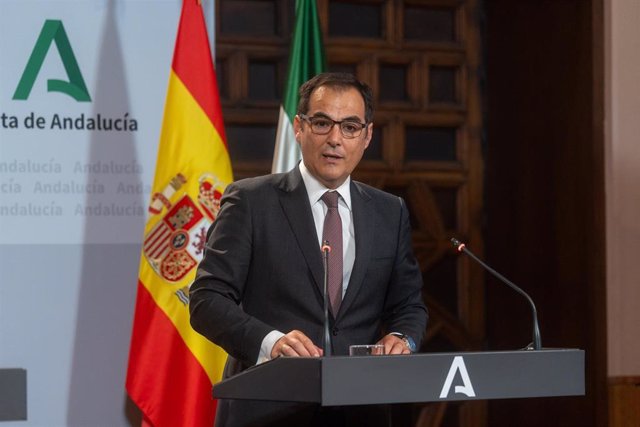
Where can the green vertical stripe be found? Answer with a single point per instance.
(307, 56)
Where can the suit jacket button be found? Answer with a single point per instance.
(335, 331)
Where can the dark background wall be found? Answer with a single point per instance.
(545, 193)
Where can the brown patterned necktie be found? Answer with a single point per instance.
(332, 233)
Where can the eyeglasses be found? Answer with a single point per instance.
(321, 125)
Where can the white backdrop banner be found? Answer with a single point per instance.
(82, 87)
(82, 92)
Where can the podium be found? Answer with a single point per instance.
(424, 377)
(13, 394)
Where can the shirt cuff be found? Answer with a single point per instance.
(267, 345)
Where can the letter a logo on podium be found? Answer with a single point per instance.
(53, 32)
(467, 388)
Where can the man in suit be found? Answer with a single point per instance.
(258, 292)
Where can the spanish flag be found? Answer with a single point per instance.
(171, 367)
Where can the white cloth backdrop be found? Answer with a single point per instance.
(72, 201)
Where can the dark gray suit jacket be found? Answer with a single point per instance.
(262, 270)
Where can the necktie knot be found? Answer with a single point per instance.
(330, 198)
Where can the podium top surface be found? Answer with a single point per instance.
(422, 377)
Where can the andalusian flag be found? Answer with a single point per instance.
(171, 367)
(306, 59)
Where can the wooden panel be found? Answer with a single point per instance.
(395, 76)
(429, 23)
(624, 401)
(443, 84)
(431, 143)
(545, 201)
(356, 19)
(263, 80)
(249, 17)
(249, 142)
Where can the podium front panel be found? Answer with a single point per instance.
(427, 377)
(452, 376)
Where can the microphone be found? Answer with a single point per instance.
(537, 342)
(325, 261)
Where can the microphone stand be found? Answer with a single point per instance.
(325, 261)
(537, 342)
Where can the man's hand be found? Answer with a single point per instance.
(295, 343)
(394, 345)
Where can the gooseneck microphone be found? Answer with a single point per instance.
(537, 342)
(325, 261)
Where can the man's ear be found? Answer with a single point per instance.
(369, 131)
(297, 126)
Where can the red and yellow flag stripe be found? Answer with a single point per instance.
(171, 367)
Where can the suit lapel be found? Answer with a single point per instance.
(295, 204)
(363, 224)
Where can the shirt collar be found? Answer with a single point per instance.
(315, 189)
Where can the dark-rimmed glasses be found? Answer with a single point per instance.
(321, 125)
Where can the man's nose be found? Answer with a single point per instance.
(335, 136)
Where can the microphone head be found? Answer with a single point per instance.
(325, 246)
(458, 244)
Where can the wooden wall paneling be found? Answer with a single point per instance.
(418, 12)
(351, 16)
(410, 68)
(624, 401)
(597, 268)
(472, 192)
(233, 69)
(459, 65)
(356, 58)
(246, 21)
(544, 194)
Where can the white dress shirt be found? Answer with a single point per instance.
(315, 190)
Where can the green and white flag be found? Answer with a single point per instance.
(306, 59)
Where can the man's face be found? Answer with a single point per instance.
(331, 158)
